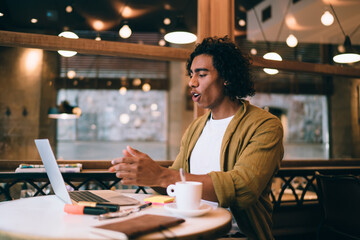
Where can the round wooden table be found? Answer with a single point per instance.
(43, 217)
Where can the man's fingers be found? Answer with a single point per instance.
(126, 153)
(116, 161)
(124, 166)
(124, 160)
(135, 152)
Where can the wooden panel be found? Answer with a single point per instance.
(215, 18)
(222, 18)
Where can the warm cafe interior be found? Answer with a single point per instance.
(96, 76)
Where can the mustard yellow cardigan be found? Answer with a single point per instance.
(251, 152)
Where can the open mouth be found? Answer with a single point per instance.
(195, 97)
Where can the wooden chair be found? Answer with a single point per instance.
(339, 198)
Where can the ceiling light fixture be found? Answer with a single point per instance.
(71, 74)
(125, 31)
(122, 90)
(98, 38)
(271, 55)
(180, 37)
(67, 34)
(291, 41)
(146, 87)
(69, 9)
(242, 23)
(253, 51)
(275, 57)
(327, 18)
(349, 56)
(162, 42)
(167, 21)
(180, 34)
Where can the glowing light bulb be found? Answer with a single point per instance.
(146, 87)
(124, 118)
(162, 42)
(125, 31)
(71, 74)
(327, 18)
(68, 9)
(291, 41)
(122, 90)
(167, 21)
(242, 22)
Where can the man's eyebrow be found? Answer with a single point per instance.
(201, 69)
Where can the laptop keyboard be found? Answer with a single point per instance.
(86, 196)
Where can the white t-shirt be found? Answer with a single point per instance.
(205, 156)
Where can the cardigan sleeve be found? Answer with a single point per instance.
(257, 159)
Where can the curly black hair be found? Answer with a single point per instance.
(230, 63)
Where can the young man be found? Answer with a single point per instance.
(234, 150)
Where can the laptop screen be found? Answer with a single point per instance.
(56, 179)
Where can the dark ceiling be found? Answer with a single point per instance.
(141, 15)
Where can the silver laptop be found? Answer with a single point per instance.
(58, 184)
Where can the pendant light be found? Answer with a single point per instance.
(270, 55)
(125, 31)
(275, 57)
(291, 41)
(349, 56)
(180, 33)
(327, 18)
(67, 34)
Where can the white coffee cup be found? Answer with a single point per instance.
(188, 194)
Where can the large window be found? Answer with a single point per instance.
(305, 122)
(110, 121)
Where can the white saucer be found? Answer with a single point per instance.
(204, 208)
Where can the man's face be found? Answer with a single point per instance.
(207, 88)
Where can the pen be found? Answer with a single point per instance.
(111, 206)
(123, 213)
(78, 209)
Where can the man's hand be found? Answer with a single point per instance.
(137, 168)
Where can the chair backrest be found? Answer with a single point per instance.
(339, 197)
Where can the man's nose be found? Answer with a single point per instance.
(193, 82)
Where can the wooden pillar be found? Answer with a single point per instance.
(215, 18)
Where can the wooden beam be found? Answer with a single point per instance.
(295, 66)
(89, 46)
